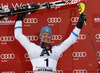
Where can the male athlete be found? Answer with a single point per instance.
(44, 57)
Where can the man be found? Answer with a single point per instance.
(44, 57)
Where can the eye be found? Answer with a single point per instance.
(44, 34)
(48, 34)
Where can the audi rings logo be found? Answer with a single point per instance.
(98, 71)
(26, 56)
(8, 72)
(82, 37)
(80, 71)
(97, 36)
(56, 37)
(54, 20)
(79, 54)
(29, 72)
(6, 38)
(97, 19)
(32, 38)
(74, 19)
(30, 20)
(7, 56)
(98, 53)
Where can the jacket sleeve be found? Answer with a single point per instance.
(69, 41)
(21, 37)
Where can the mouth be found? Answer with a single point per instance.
(46, 40)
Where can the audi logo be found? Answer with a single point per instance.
(80, 71)
(32, 38)
(58, 71)
(8, 72)
(30, 20)
(82, 37)
(79, 54)
(98, 71)
(54, 20)
(26, 56)
(98, 53)
(29, 72)
(97, 36)
(56, 37)
(7, 56)
(7, 38)
(96, 19)
(74, 19)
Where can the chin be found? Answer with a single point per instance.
(46, 42)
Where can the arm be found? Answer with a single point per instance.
(73, 36)
(19, 35)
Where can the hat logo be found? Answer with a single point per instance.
(46, 27)
(47, 30)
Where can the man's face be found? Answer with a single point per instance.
(46, 37)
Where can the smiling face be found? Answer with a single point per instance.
(46, 37)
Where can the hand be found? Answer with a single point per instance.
(81, 20)
(21, 16)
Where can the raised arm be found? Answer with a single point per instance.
(73, 36)
(19, 35)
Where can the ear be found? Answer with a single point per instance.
(40, 38)
(51, 37)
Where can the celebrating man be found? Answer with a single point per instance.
(44, 57)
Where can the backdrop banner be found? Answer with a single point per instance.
(79, 58)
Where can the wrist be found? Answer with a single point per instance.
(20, 18)
(79, 25)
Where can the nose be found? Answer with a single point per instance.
(47, 36)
